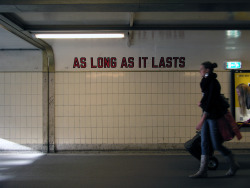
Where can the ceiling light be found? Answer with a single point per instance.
(233, 33)
(230, 48)
(80, 36)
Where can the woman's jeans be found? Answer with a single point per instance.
(210, 135)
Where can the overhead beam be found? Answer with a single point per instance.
(76, 28)
(122, 6)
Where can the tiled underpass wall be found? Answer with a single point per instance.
(128, 110)
(120, 108)
(21, 110)
(21, 99)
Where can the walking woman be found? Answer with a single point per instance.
(213, 109)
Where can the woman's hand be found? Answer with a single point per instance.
(239, 136)
(199, 126)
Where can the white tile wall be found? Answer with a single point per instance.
(128, 107)
(21, 107)
(105, 107)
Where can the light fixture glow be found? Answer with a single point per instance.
(233, 33)
(230, 48)
(80, 36)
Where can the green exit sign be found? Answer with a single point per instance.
(233, 65)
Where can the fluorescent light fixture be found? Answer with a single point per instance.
(80, 36)
(233, 33)
(230, 48)
(233, 65)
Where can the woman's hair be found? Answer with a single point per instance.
(209, 65)
(244, 91)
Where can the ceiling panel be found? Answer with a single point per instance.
(94, 15)
(74, 18)
(123, 18)
(123, 6)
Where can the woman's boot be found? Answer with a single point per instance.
(234, 166)
(202, 173)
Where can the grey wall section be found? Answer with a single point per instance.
(21, 60)
(21, 110)
(21, 99)
(27, 62)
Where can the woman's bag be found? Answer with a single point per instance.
(228, 127)
(194, 146)
(225, 129)
(230, 119)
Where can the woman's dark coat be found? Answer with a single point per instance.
(212, 102)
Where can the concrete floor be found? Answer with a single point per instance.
(108, 170)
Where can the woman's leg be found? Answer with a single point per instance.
(216, 138)
(217, 143)
(205, 137)
(202, 173)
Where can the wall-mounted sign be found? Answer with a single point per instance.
(127, 63)
(233, 65)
